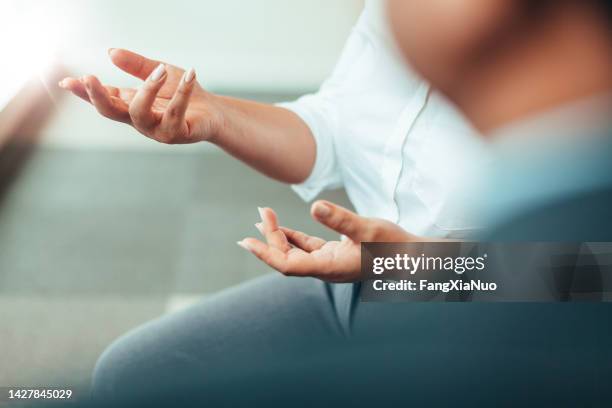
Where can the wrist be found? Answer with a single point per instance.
(218, 119)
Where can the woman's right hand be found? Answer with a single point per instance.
(170, 106)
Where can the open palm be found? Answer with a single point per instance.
(170, 107)
(295, 253)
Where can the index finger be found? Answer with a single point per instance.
(132, 63)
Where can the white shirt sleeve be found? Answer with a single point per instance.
(320, 111)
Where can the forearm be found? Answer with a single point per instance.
(272, 140)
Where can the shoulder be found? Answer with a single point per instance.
(373, 23)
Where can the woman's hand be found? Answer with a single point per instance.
(170, 106)
(294, 253)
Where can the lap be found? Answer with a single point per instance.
(267, 334)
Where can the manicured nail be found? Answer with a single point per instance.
(243, 245)
(158, 73)
(322, 210)
(261, 213)
(189, 75)
(259, 227)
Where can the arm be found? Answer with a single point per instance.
(273, 140)
(171, 107)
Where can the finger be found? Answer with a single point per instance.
(104, 103)
(174, 117)
(340, 220)
(132, 63)
(76, 87)
(303, 241)
(274, 257)
(113, 91)
(141, 106)
(125, 94)
(269, 219)
(294, 263)
(274, 236)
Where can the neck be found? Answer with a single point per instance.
(566, 60)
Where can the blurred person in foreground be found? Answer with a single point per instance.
(375, 129)
(535, 77)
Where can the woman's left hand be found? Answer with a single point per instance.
(294, 253)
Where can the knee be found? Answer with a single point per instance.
(130, 365)
(114, 368)
(147, 360)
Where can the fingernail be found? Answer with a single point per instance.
(158, 73)
(189, 75)
(322, 210)
(259, 227)
(261, 213)
(61, 83)
(110, 50)
(243, 245)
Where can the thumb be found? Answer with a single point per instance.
(132, 63)
(340, 220)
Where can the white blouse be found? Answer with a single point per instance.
(399, 149)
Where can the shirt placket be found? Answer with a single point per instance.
(394, 156)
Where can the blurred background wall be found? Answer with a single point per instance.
(102, 229)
